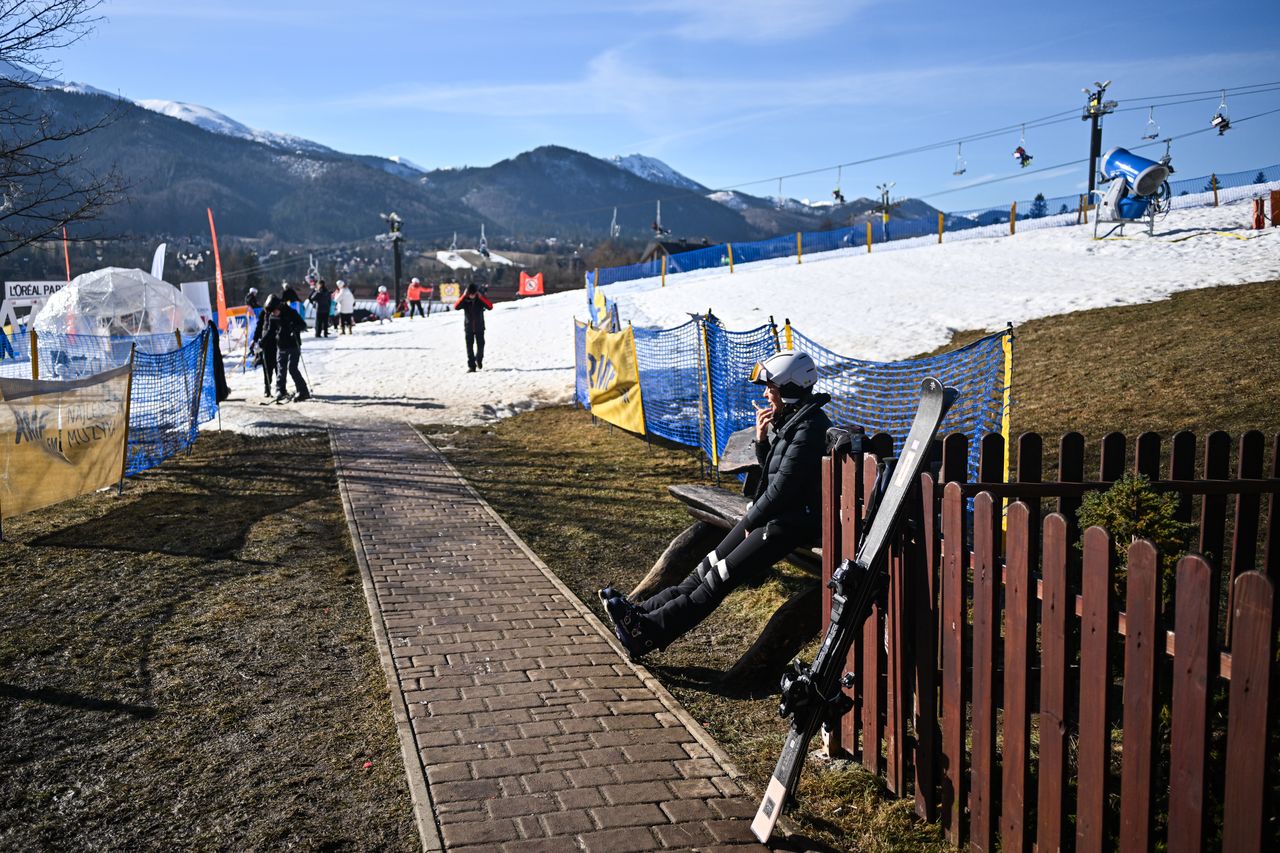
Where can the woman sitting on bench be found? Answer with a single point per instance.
(786, 514)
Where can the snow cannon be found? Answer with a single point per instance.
(1145, 176)
(1139, 190)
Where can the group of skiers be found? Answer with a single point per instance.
(277, 335)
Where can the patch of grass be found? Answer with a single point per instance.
(189, 665)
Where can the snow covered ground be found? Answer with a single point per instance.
(885, 305)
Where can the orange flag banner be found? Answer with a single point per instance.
(217, 275)
(530, 285)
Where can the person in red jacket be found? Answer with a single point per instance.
(473, 305)
(414, 298)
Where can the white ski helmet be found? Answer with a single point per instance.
(414, 280)
(382, 288)
(341, 284)
(793, 372)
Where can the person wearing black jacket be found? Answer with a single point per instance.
(473, 304)
(791, 434)
(322, 299)
(264, 345)
(287, 328)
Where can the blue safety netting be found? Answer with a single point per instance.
(732, 355)
(882, 396)
(672, 388)
(170, 398)
(695, 386)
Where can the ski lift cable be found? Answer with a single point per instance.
(1042, 169)
(1043, 121)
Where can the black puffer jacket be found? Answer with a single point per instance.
(790, 490)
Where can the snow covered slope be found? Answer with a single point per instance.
(885, 305)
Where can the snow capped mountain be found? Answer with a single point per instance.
(408, 164)
(653, 169)
(730, 199)
(216, 122)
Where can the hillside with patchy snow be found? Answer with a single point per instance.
(885, 305)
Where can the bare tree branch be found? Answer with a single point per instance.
(43, 183)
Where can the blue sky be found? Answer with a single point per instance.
(727, 91)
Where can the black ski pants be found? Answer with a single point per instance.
(475, 347)
(739, 557)
(415, 305)
(287, 364)
(268, 367)
(322, 323)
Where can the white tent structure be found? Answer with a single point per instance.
(120, 303)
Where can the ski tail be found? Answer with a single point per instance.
(812, 694)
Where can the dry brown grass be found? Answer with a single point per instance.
(190, 665)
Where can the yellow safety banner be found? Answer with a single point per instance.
(60, 439)
(614, 379)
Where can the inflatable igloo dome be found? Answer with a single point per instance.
(120, 303)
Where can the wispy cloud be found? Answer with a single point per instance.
(748, 20)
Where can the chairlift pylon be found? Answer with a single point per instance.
(1222, 118)
(1153, 129)
(961, 165)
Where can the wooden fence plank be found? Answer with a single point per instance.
(955, 561)
(1182, 466)
(1141, 647)
(1055, 608)
(955, 458)
(1244, 813)
(1071, 470)
(1271, 551)
(895, 663)
(1217, 466)
(1031, 470)
(1146, 455)
(1111, 465)
(986, 570)
(831, 466)
(1244, 535)
(922, 587)
(1094, 745)
(1189, 742)
(872, 664)
(991, 459)
(851, 505)
(1019, 621)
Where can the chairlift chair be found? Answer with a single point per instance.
(961, 165)
(1222, 118)
(1020, 153)
(1153, 129)
(836, 193)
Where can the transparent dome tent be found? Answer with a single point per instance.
(90, 324)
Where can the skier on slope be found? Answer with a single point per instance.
(791, 434)
(473, 304)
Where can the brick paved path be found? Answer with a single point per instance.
(523, 726)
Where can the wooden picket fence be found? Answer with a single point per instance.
(1002, 686)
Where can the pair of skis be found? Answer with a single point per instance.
(812, 695)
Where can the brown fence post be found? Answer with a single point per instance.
(1056, 608)
(1213, 180)
(986, 604)
(1213, 516)
(1275, 208)
(1271, 551)
(1189, 741)
(1095, 676)
(831, 536)
(1019, 633)
(922, 587)
(1244, 814)
(1013, 218)
(1244, 536)
(955, 562)
(1143, 642)
(851, 492)
(872, 664)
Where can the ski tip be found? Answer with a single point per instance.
(932, 385)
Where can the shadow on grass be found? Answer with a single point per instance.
(67, 699)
